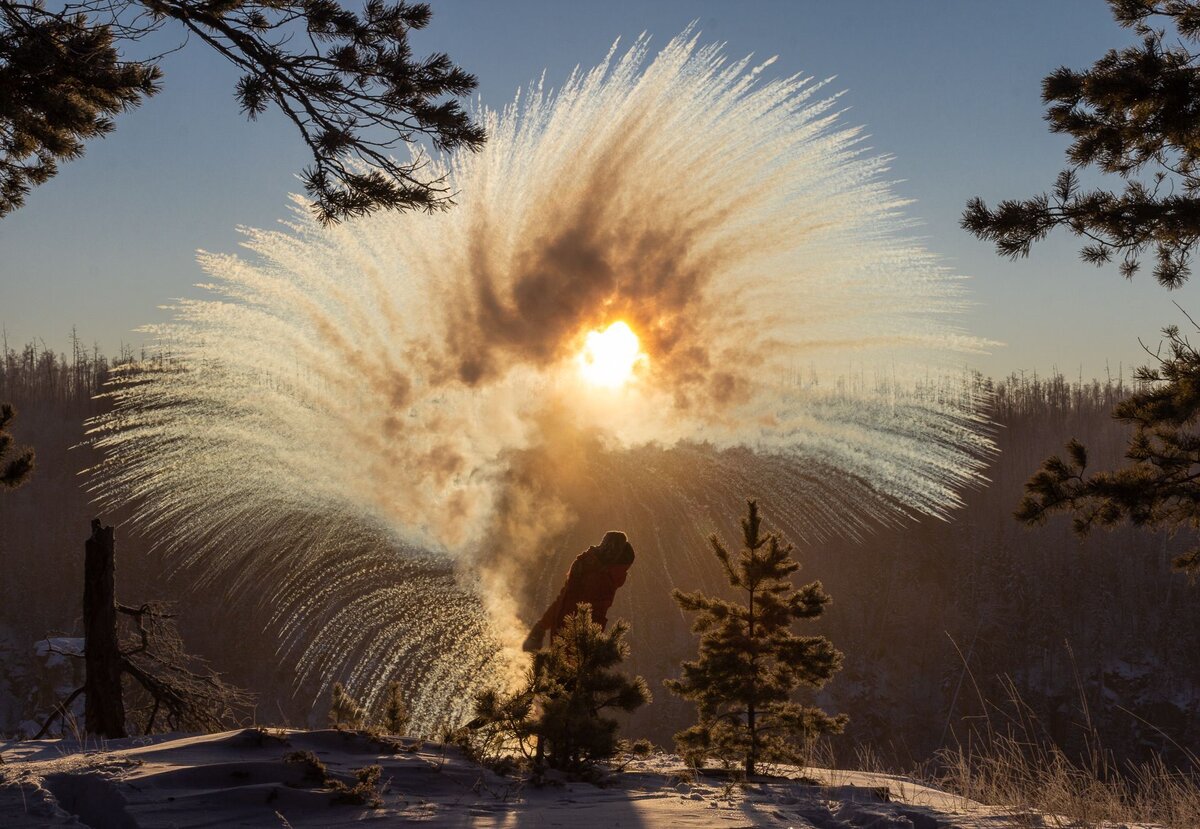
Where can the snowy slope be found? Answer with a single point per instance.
(239, 778)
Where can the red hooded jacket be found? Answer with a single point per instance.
(594, 578)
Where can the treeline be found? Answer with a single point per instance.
(37, 373)
(936, 618)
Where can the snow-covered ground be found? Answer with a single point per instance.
(240, 778)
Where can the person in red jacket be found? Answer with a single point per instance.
(594, 578)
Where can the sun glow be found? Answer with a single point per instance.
(610, 356)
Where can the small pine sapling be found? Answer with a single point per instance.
(580, 680)
(504, 727)
(562, 704)
(641, 748)
(395, 712)
(344, 710)
(750, 663)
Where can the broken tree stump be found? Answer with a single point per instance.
(104, 707)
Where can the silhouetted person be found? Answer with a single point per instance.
(594, 578)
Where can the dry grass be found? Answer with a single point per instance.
(1008, 759)
(1028, 776)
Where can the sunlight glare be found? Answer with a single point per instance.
(610, 356)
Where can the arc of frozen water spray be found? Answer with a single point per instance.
(368, 426)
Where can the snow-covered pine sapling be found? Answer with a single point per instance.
(750, 662)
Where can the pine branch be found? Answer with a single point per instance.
(1132, 113)
(352, 89)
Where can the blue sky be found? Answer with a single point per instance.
(950, 88)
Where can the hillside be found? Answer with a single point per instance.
(241, 778)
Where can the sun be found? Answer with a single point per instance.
(610, 356)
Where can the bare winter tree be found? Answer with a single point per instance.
(143, 644)
(347, 80)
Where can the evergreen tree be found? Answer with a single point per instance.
(395, 712)
(344, 710)
(567, 690)
(579, 679)
(504, 725)
(347, 81)
(750, 663)
(1160, 487)
(15, 470)
(1133, 114)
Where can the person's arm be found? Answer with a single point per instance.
(553, 613)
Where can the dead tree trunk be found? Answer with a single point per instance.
(104, 708)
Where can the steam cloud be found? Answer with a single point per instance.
(379, 429)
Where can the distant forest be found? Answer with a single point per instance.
(933, 616)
